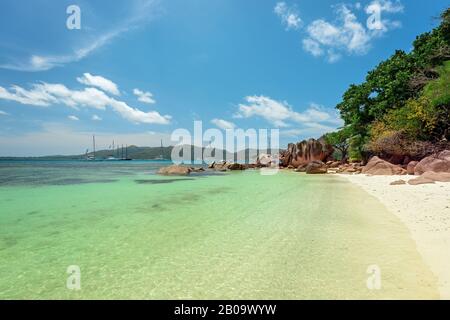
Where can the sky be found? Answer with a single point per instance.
(134, 71)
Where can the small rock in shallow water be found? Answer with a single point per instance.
(175, 170)
(398, 183)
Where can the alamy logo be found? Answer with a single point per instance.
(73, 22)
(236, 145)
(374, 280)
(74, 279)
(374, 20)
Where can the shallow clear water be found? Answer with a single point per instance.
(238, 235)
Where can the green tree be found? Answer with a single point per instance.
(340, 140)
(406, 96)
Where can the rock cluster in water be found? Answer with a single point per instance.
(309, 155)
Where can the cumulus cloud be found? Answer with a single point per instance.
(347, 35)
(145, 97)
(312, 47)
(223, 124)
(289, 15)
(73, 118)
(3, 113)
(47, 94)
(96, 118)
(281, 114)
(99, 82)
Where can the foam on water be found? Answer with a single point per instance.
(239, 235)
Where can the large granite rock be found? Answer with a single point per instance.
(379, 167)
(298, 154)
(438, 163)
(411, 166)
(316, 167)
(264, 160)
(175, 170)
(437, 176)
(420, 180)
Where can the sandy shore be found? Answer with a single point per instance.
(425, 210)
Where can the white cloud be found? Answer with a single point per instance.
(141, 12)
(223, 124)
(280, 113)
(99, 82)
(333, 56)
(312, 47)
(42, 63)
(289, 15)
(46, 94)
(145, 97)
(307, 131)
(3, 113)
(347, 35)
(96, 118)
(387, 6)
(350, 36)
(73, 118)
(34, 97)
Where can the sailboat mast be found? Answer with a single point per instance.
(93, 142)
(162, 150)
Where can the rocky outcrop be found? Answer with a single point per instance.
(420, 180)
(249, 166)
(431, 177)
(333, 164)
(301, 168)
(349, 168)
(379, 167)
(437, 176)
(411, 166)
(437, 163)
(304, 152)
(236, 167)
(175, 170)
(225, 166)
(316, 167)
(219, 166)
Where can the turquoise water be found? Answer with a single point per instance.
(238, 235)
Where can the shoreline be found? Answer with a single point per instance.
(425, 211)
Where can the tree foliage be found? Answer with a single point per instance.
(406, 97)
(340, 140)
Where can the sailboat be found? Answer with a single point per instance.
(111, 157)
(126, 154)
(91, 157)
(161, 154)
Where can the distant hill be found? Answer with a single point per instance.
(132, 152)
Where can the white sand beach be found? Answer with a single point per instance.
(425, 210)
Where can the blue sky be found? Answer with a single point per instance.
(138, 69)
